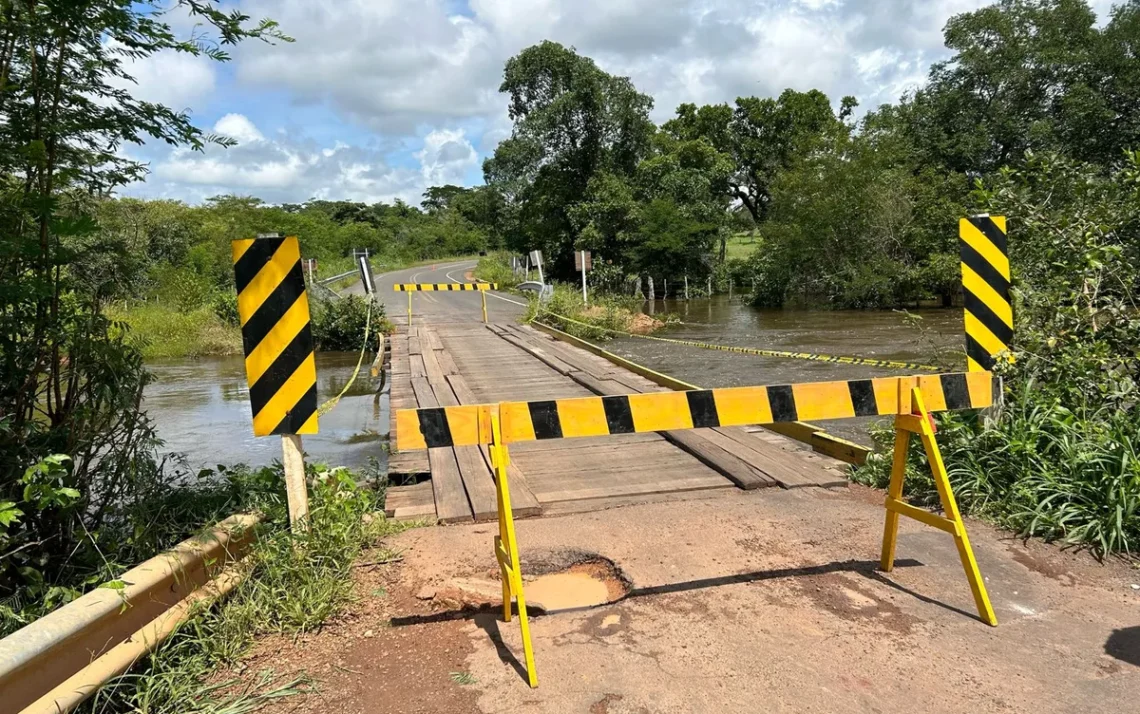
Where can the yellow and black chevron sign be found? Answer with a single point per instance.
(274, 312)
(985, 284)
(442, 287)
(667, 411)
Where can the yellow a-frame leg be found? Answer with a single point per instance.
(409, 308)
(483, 294)
(918, 422)
(506, 547)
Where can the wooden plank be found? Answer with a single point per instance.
(451, 504)
(477, 480)
(410, 502)
(434, 374)
(446, 363)
(547, 359)
(523, 501)
(432, 339)
(715, 457)
(414, 347)
(418, 370)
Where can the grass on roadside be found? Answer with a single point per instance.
(597, 321)
(293, 583)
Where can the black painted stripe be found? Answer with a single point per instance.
(863, 397)
(987, 317)
(990, 230)
(544, 418)
(296, 417)
(977, 353)
(955, 391)
(783, 403)
(253, 260)
(619, 417)
(702, 407)
(282, 368)
(985, 270)
(270, 312)
(434, 427)
(272, 379)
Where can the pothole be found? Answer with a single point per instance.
(553, 582)
(579, 586)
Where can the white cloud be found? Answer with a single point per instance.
(175, 79)
(412, 73)
(291, 169)
(239, 128)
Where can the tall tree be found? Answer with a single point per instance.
(571, 121)
(68, 382)
(763, 136)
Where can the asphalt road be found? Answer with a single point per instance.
(440, 306)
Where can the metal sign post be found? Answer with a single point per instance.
(536, 258)
(582, 262)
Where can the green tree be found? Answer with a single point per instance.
(69, 384)
(571, 122)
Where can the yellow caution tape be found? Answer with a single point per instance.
(756, 351)
(327, 406)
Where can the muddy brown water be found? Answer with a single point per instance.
(880, 334)
(201, 406)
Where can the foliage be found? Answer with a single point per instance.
(1058, 460)
(605, 315)
(338, 324)
(292, 583)
(161, 332)
(572, 122)
(496, 268)
(71, 380)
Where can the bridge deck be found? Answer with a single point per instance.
(444, 364)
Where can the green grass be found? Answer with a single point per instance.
(741, 246)
(164, 332)
(463, 678)
(293, 584)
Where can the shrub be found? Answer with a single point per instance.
(338, 324)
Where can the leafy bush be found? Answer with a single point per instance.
(338, 324)
(1058, 460)
(226, 307)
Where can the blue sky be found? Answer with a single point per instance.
(378, 99)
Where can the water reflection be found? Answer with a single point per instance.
(201, 409)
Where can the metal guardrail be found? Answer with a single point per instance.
(56, 662)
(333, 279)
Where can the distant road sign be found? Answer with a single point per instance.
(579, 257)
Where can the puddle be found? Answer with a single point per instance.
(579, 586)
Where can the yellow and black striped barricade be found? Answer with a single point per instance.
(410, 288)
(985, 287)
(911, 400)
(278, 341)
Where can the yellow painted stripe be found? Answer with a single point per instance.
(469, 425)
(984, 247)
(515, 422)
(886, 394)
(975, 284)
(660, 411)
(310, 425)
(268, 278)
(239, 247)
(408, 434)
(294, 388)
(981, 388)
(973, 365)
(582, 417)
(989, 342)
(738, 406)
(822, 400)
(932, 394)
(270, 347)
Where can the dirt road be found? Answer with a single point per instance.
(762, 601)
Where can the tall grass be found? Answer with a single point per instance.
(600, 320)
(1042, 471)
(161, 331)
(495, 268)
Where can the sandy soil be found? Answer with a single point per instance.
(762, 601)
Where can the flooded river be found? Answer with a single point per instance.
(726, 321)
(201, 406)
(201, 410)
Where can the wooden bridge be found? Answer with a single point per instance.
(448, 357)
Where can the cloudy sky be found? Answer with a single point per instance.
(378, 99)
